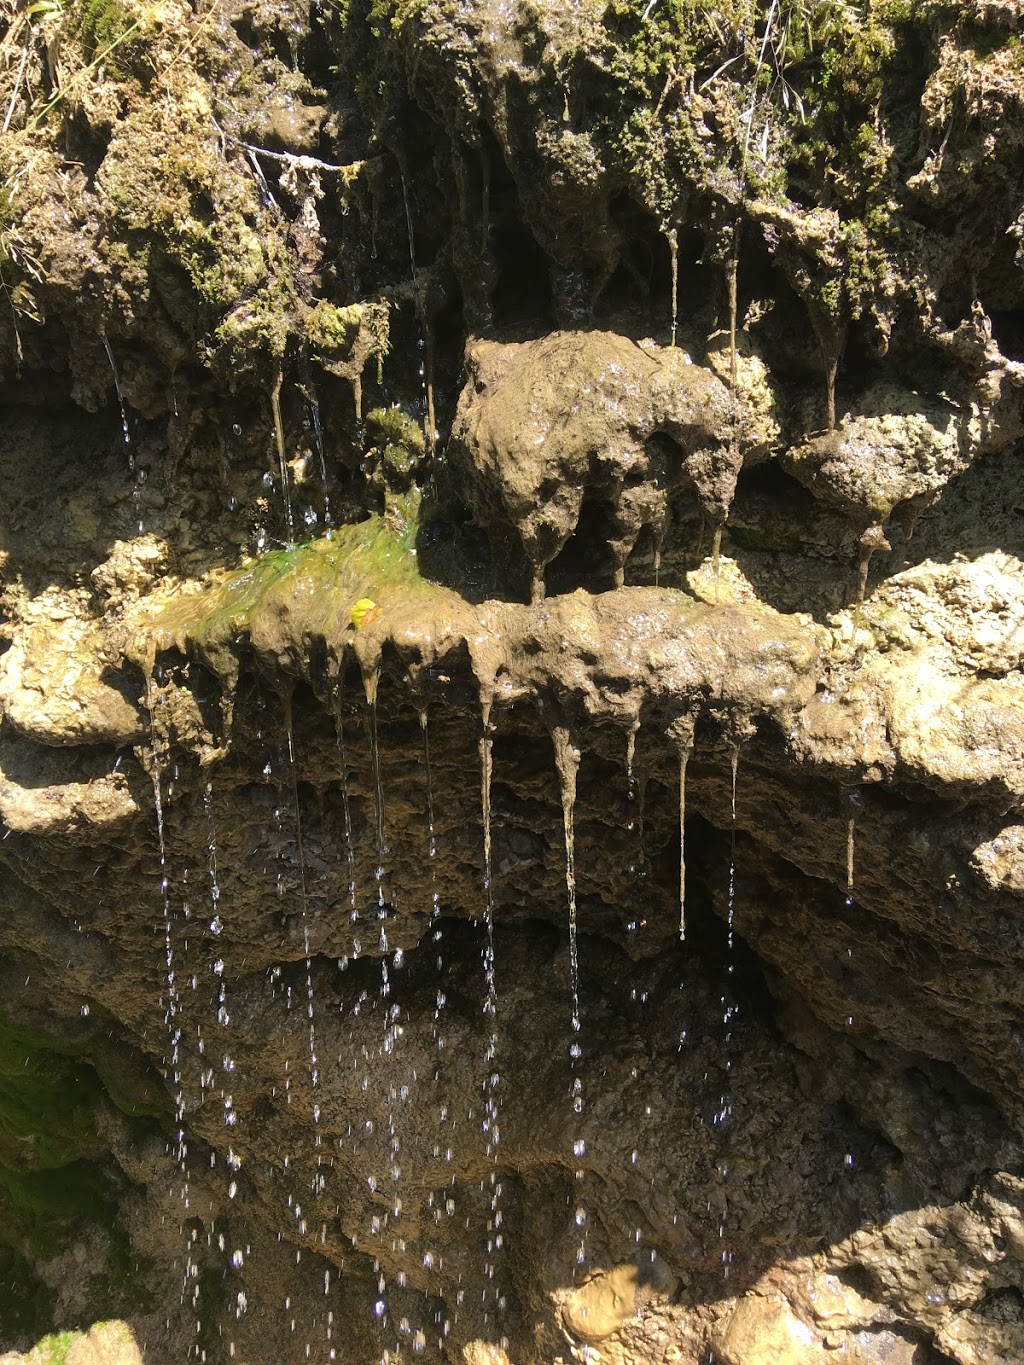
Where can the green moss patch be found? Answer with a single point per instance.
(304, 591)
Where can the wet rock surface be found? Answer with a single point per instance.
(474, 478)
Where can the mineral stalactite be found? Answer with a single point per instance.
(526, 864)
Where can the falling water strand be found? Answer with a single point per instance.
(380, 839)
(435, 896)
(286, 491)
(730, 1010)
(424, 343)
(673, 245)
(139, 474)
(172, 1020)
(851, 834)
(314, 1074)
(318, 437)
(635, 794)
(346, 807)
(567, 762)
(485, 202)
(226, 1062)
(492, 1133)
(391, 1010)
(682, 734)
(120, 398)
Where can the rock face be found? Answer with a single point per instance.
(511, 850)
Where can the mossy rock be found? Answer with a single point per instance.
(329, 328)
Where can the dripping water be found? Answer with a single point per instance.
(120, 399)
(682, 733)
(286, 491)
(215, 926)
(492, 1134)
(567, 762)
(346, 805)
(673, 245)
(380, 840)
(730, 1010)
(434, 928)
(314, 1074)
(140, 474)
(391, 1012)
(853, 800)
(636, 797)
(172, 1012)
(424, 341)
(318, 437)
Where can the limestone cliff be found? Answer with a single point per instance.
(511, 715)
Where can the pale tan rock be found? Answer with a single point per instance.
(766, 1331)
(1000, 861)
(484, 1353)
(612, 1298)
(107, 1343)
(42, 792)
(52, 684)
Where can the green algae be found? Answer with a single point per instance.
(333, 329)
(48, 1102)
(51, 1091)
(169, 189)
(302, 592)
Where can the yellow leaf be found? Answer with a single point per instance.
(364, 612)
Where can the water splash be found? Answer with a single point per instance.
(567, 763)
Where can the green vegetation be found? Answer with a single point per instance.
(167, 183)
(53, 1350)
(106, 30)
(398, 442)
(333, 329)
(26, 1303)
(47, 1102)
(308, 589)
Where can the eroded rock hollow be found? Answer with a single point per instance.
(511, 716)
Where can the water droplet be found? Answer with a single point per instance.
(581, 1216)
(579, 1147)
(85, 1011)
(380, 1308)
(216, 925)
(236, 428)
(237, 1259)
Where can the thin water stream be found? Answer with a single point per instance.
(491, 1129)
(173, 1024)
(567, 763)
(730, 1011)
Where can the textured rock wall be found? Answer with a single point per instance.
(476, 477)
